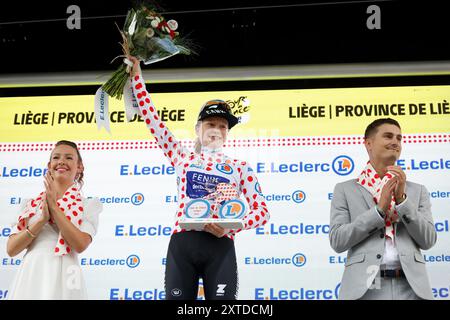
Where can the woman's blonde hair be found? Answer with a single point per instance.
(198, 144)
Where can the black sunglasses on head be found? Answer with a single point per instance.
(225, 105)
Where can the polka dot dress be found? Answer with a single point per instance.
(44, 274)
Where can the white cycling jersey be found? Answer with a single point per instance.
(198, 173)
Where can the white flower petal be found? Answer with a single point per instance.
(132, 27)
(155, 23)
(173, 25)
(150, 32)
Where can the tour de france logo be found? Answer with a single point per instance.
(198, 209)
(232, 209)
(224, 168)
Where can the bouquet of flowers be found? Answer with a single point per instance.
(149, 37)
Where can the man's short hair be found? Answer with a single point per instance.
(373, 127)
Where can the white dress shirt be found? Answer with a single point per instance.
(391, 259)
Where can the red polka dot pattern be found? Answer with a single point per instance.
(372, 182)
(73, 214)
(432, 138)
(241, 177)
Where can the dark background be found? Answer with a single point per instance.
(226, 33)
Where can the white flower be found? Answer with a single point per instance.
(150, 33)
(173, 25)
(132, 25)
(155, 23)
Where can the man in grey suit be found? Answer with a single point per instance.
(383, 221)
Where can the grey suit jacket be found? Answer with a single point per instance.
(356, 226)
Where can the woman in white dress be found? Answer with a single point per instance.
(53, 228)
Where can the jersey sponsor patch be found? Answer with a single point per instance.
(200, 185)
(224, 168)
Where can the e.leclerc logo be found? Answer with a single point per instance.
(424, 165)
(441, 293)
(258, 189)
(132, 261)
(139, 170)
(136, 294)
(297, 293)
(299, 229)
(342, 165)
(136, 199)
(297, 260)
(3, 294)
(298, 196)
(132, 230)
(27, 172)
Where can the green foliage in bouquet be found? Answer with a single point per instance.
(147, 36)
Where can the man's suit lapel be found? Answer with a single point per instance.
(366, 195)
